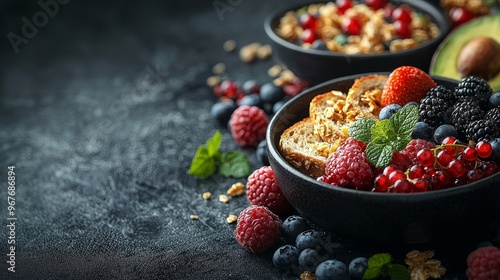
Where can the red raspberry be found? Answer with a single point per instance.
(248, 125)
(257, 228)
(348, 166)
(263, 190)
(414, 146)
(484, 264)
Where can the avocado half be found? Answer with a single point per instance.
(444, 61)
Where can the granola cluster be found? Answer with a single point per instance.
(422, 267)
(377, 33)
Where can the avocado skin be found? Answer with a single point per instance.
(444, 61)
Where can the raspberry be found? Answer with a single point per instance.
(248, 125)
(414, 146)
(263, 190)
(484, 264)
(257, 228)
(348, 166)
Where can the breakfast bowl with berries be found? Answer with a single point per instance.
(396, 157)
(322, 40)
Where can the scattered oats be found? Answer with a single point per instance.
(274, 71)
(219, 68)
(248, 53)
(193, 217)
(231, 219)
(264, 52)
(213, 81)
(229, 45)
(223, 198)
(236, 189)
(207, 195)
(307, 275)
(422, 267)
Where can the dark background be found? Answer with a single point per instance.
(101, 113)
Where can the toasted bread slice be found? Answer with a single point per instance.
(303, 149)
(331, 112)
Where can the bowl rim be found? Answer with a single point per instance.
(436, 16)
(275, 153)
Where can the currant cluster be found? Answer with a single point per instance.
(447, 165)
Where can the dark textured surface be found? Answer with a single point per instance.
(101, 113)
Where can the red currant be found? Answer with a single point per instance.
(229, 89)
(382, 183)
(459, 16)
(389, 169)
(425, 157)
(474, 175)
(416, 171)
(388, 9)
(307, 21)
(351, 26)
(444, 157)
(344, 5)
(489, 167)
(396, 175)
(376, 4)
(402, 13)
(457, 168)
(470, 154)
(444, 179)
(420, 185)
(484, 149)
(309, 36)
(403, 186)
(403, 29)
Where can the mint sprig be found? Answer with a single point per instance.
(380, 265)
(385, 136)
(209, 159)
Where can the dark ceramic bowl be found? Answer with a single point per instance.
(317, 66)
(465, 212)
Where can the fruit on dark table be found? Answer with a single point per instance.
(292, 227)
(222, 111)
(444, 61)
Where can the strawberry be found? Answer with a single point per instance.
(405, 84)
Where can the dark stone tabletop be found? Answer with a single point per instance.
(102, 109)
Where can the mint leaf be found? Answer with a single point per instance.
(398, 272)
(383, 131)
(235, 164)
(361, 129)
(379, 154)
(203, 164)
(213, 144)
(377, 266)
(404, 120)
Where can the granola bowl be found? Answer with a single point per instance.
(318, 65)
(466, 212)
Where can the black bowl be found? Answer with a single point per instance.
(317, 66)
(465, 212)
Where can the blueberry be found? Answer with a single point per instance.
(286, 257)
(309, 239)
(388, 111)
(222, 111)
(494, 100)
(292, 227)
(444, 131)
(422, 130)
(357, 267)
(261, 153)
(412, 103)
(250, 86)
(319, 45)
(309, 259)
(251, 100)
(270, 93)
(332, 270)
(495, 145)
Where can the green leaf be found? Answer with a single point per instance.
(383, 131)
(202, 164)
(361, 129)
(398, 272)
(376, 264)
(379, 154)
(372, 273)
(404, 120)
(235, 164)
(213, 144)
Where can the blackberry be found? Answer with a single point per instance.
(481, 130)
(474, 87)
(494, 116)
(435, 107)
(465, 112)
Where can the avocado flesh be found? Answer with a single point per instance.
(444, 61)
